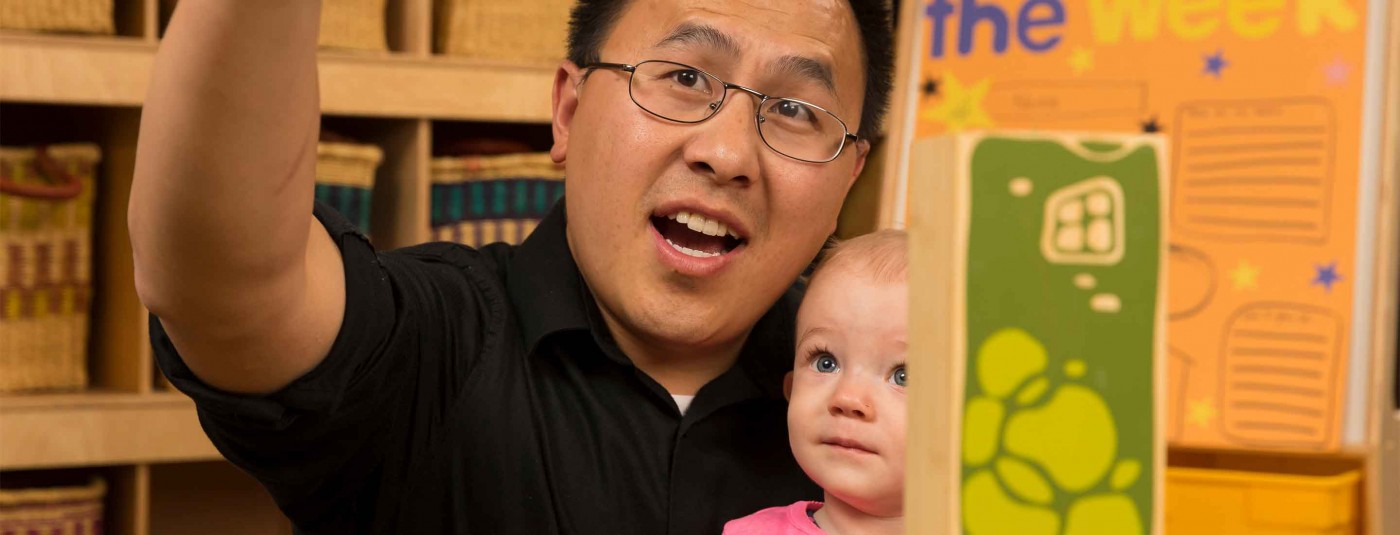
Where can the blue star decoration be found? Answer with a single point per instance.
(1215, 64)
(1326, 276)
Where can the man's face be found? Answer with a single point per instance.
(632, 174)
(847, 406)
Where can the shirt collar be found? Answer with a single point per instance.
(768, 353)
(550, 296)
(545, 284)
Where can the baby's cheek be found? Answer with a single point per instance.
(896, 427)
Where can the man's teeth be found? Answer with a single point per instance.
(692, 252)
(704, 225)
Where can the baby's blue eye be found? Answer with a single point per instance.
(825, 364)
(900, 377)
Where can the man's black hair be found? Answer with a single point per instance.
(592, 20)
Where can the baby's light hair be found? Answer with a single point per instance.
(882, 255)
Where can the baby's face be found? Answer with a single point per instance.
(847, 414)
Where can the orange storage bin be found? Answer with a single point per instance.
(1247, 502)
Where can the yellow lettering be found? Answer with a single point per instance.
(1182, 19)
(1255, 19)
(1337, 12)
(1108, 18)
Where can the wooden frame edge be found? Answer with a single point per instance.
(1383, 421)
(899, 139)
(933, 504)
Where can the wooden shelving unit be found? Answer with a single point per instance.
(164, 476)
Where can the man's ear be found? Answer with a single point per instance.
(787, 386)
(862, 152)
(565, 103)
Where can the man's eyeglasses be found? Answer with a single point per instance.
(677, 92)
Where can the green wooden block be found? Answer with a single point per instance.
(1053, 245)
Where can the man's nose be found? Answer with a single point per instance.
(851, 399)
(726, 146)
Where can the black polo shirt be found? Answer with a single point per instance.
(478, 391)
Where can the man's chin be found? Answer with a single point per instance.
(680, 325)
(692, 334)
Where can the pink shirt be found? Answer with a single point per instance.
(790, 520)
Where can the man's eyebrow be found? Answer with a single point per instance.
(704, 35)
(695, 33)
(805, 67)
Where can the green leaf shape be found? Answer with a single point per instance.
(1033, 391)
(1024, 481)
(981, 430)
(1072, 437)
(987, 510)
(1102, 514)
(1125, 474)
(1006, 359)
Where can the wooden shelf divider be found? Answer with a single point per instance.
(128, 500)
(115, 71)
(99, 429)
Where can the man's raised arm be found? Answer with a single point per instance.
(247, 284)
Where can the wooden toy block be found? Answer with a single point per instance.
(1036, 334)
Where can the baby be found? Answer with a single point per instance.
(846, 412)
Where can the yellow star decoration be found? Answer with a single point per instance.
(1201, 413)
(961, 106)
(1081, 60)
(1245, 276)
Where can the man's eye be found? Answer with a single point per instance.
(792, 109)
(825, 364)
(691, 79)
(899, 377)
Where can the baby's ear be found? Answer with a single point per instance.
(787, 386)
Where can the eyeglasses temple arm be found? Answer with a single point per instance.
(618, 66)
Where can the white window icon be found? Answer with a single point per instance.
(1084, 223)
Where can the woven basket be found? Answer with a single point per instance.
(54, 510)
(46, 200)
(353, 24)
(345, 179)
(81, 16)
(485, 199)
(530, 30)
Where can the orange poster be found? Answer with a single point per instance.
(1261, 104)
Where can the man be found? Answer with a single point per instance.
(620, 372)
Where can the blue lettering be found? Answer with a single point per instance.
(1025, 24)
(1048, 24)
(938, 10)
(967, 26)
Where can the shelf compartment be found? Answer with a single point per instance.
(181, 496)
(407, 25)
(118, 351)
(129, 18)
(136, 18)
(124, 504)
(399, 200)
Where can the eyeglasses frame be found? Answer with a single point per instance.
(631, 71)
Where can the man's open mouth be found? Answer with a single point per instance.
(696, 235)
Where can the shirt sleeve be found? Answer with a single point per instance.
(333, 446)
